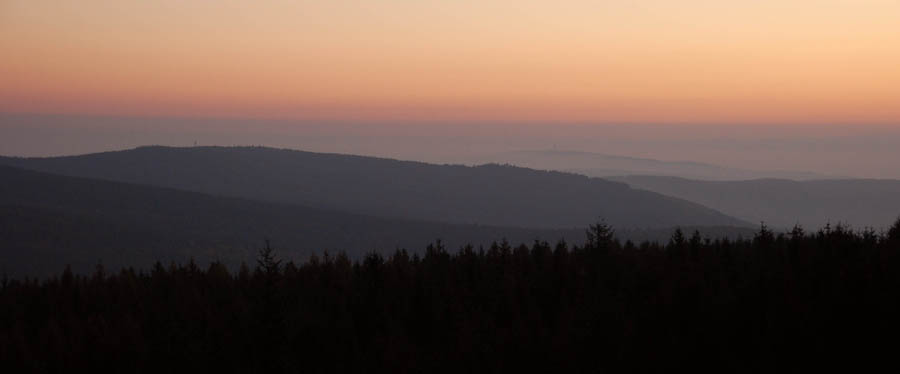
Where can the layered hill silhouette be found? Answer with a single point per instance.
(783, 203)
(48, 221)
(487, 195)
(606, 165)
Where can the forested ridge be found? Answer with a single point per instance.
(492, 195)
(48, 221)
(774, 302)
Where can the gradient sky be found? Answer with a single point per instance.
(801, 62)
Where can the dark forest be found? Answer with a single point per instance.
(775, 302)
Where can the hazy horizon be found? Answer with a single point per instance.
(835, 151)
(800, 86)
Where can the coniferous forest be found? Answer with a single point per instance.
(799, 300)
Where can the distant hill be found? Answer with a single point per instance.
(48, 221)
(605, 165)
(487, 195)
(783, 203)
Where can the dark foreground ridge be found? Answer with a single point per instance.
(830, 299)
(49, 221)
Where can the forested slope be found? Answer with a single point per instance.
(824, 301)
(487, 195)
(48, 221)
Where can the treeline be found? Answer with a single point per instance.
(774, 302)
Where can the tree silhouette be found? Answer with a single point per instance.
(893, 233)
(267, 260)
(600, 235)
(732, 304)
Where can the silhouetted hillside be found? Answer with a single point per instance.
(48, 221)
(82, 221)
(488, 195)
(605, 165)
(783, 203)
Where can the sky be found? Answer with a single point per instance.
(686, 61)
(748, 70)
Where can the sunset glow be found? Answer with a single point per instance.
(798, 62)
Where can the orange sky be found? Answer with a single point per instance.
(687, 61)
